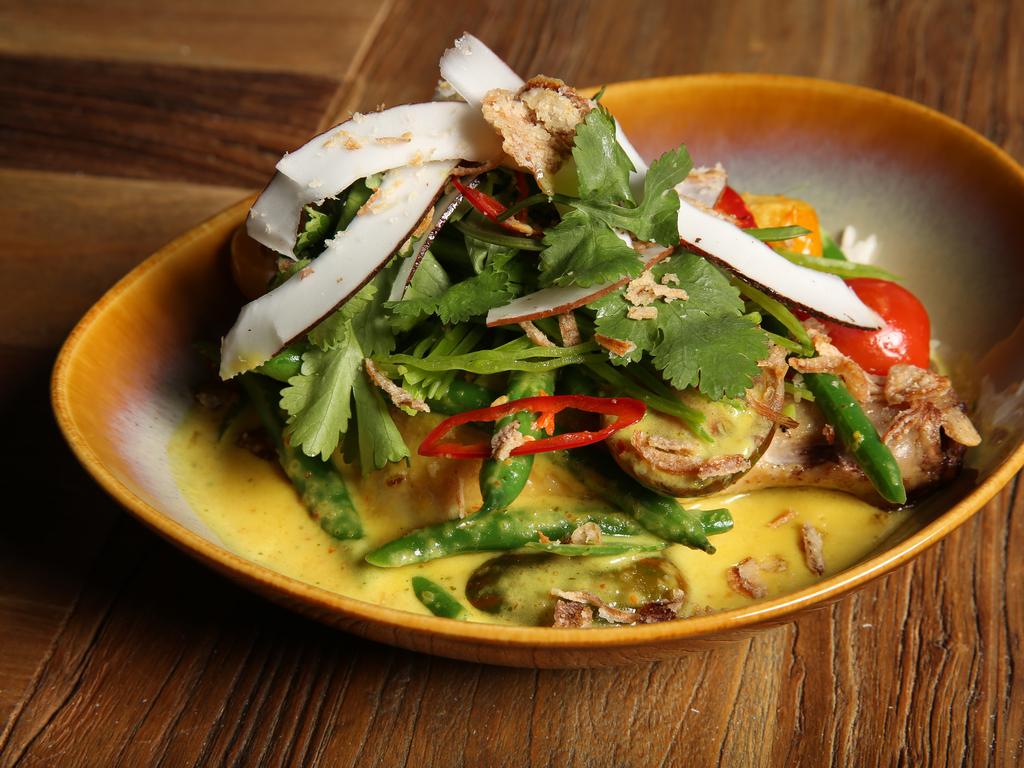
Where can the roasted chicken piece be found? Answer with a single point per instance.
(919, 416)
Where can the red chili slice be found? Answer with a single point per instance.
(486, 204)
(626, 410)
(731, 204)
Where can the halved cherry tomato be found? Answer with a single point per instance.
(731, 204)
(904, 339)
(626, 410)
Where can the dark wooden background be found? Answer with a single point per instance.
(123, 123)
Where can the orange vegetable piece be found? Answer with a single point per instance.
(782, 211)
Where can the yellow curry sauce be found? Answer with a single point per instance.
(255, 511)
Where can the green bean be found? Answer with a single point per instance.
(858, 435)
(715, 521)
(436, 599)
(320, 485)
(501, 482)
(660, 515)
(461, 396)
(779, 311)
(494, 531)
(772, 234)
(607, 547)
(283, 365)
(836, 267)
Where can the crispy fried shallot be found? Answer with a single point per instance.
(831, 360)
(745, 578)
(675, 458)
(588, 533)
(813, 547)
(568, 329)
(399, 396)
(506, 440)
(537, 124)
(535, 334)
(572, 615)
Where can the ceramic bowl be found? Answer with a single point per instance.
(944, 202)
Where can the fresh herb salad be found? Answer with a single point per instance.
(499, 278)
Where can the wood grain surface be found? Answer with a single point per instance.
(123, 123)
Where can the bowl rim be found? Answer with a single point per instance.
(542, 638)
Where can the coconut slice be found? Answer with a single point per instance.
(274, 217)
(558, 300)
(367, 144)
(349, 261)
(816, 292)
(473, 69)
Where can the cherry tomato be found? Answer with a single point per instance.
(905, 337)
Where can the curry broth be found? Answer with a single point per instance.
(256, 513)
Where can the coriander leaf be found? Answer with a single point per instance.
(482, 254)
(319, 400)
(702, 341)
(660, 205)
(602, 166)
(582, 250)
(428, 282)
(329, 217)
(372, 325)
(319, 225)
(378, 439)
(611, 321)
(498, 282)
(656, 218)
(466, 299)
(718, 354)
(366, 312)
(334, 329)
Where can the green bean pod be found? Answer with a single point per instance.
(321, 487)
(436, 599)
(858, 435)
(607, 547)
(660, 515)
(461, 396)
(284, 365)
(501, 482)
(494, 531)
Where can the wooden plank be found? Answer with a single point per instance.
(67, 238)
(154, 121)
(321, 37)
(589, 43)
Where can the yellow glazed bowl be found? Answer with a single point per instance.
(944, 202)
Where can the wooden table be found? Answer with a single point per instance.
(123, 123)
